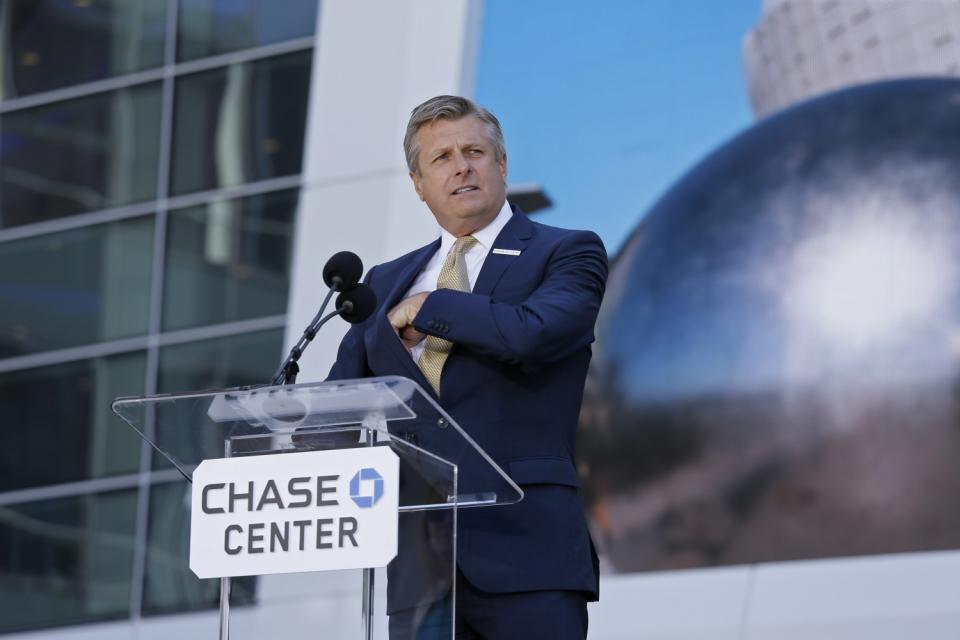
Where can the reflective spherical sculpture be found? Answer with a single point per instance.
(777, 370)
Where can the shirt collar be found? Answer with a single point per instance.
(485, 237)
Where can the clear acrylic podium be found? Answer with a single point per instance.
(442, 469)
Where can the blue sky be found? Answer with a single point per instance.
(607, 104)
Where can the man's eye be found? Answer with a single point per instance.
(442, 156)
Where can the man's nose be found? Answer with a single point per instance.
(462, 164)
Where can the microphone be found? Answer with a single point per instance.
(356, 302)
(342, 271)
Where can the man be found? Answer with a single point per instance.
(495, 318)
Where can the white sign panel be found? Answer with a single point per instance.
(284, 513)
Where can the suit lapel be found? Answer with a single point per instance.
(383, 339)
(408, 273)
(514, 235)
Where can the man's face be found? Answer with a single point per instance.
(459, 176)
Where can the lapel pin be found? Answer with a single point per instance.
(507, 252)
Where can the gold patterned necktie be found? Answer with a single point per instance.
(454, 276)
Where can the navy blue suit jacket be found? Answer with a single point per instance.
(514, 381)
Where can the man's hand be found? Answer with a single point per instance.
(401, 319)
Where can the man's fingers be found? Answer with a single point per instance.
(406, 310)
(410, 337)
(410, 334)
(398, 317)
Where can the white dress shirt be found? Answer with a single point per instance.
(475, 257)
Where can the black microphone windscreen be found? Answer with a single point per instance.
(346, 266)
(363, 301)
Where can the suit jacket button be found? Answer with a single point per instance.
(442, 423)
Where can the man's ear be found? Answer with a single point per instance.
(503, 167)
(416, 184)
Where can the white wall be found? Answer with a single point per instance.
(896, 597)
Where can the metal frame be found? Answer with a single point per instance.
(155, 313)
(84, 487)
(169, 68)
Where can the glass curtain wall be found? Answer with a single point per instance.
(150, 158)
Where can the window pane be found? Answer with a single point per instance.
(240, 123)
(228, 260)
(52, 43)
(79, 155)
(169, 585)
(210, 27)
(248, 358)
(66, 560)
(75, 287)
(58, 426)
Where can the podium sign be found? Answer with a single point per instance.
(294, 512)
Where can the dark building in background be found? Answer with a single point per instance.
(150, 153)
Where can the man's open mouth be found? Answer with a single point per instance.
(457, 192)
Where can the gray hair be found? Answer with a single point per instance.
(451, 108)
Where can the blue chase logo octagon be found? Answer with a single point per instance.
(365, 501)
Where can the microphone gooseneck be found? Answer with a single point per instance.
(341, 274)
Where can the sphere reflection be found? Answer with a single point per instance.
(777, 370)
